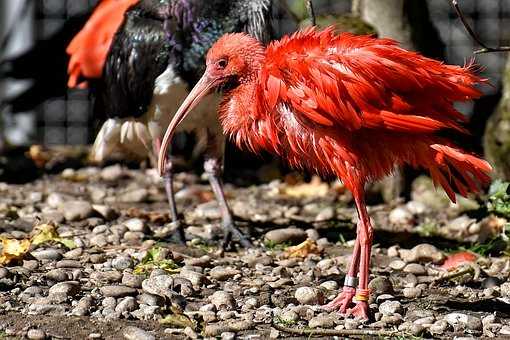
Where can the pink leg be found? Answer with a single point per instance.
(365, 236)
(344, 300)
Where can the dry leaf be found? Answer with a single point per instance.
(316, 188)
(13, 250)
(303, 249)
(48, 232)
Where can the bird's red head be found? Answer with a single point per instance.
(234, 59)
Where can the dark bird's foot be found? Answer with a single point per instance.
(231, 232)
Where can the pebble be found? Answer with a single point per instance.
(136, 224)
(122, 262)
(69, 288)
(505, 289)
(117, 291)
(126, 305)
(83, 306)
(134, 196)
(36, 334)
(47, 254)
(415, 268)
(289, 316)
(322, 321)
(390, 307)
(159, 285)
(460, 321)
(69, 264)
(221, 299)
(108, 276)
(307, 295)
(381, 285)
(112, 173)
(292, 235)
(197, 279)
(135, 333)
(223, 273)
(76, 210)
(422, 253)
(412, 292)
(329, 285)
(397, 264)
(132, 280)
(325, 214)
(57, 275)
(401, 216)
(505, 330)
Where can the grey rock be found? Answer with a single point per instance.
(75, 210)
(325, 214)
(422, 253)
(197, 279)
(322, 321)
(292, 235)
(36, 334)
(47, 254)
(46, 308)
(135, 224)
(289, 316)
(98, 240)
(329, 285)
(132, 280)
(223, 273)
(401, 216)
(415, 268)
(159, 285)
(57, 275)
(221, 299)
(150, 300)
(117, 291)
(108, 276)
(460, 321)
(112, 173)
(126, 305)
(390, 307)
(69, 264)
(134, 196)
(381, 285)
(105, 211)
(438, 327)
(135, 333)
(397, 264)
(412, 292)
(69, 288)
(73, 254)
(122, 262)
(83, 306)
(308, 295)
(146, 312)
(505, 289)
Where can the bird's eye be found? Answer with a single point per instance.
(222, 63)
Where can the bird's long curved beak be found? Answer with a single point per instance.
(201, 89)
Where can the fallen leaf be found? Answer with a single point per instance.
(303, 249)
(179, 320)
(316, 188)
(456, 260)
(13, 250)
(155, 258)
(48, 232)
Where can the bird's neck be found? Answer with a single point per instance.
(244, 120)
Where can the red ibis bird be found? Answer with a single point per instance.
(153, 60)
(350, 106)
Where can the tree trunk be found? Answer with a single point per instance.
(497, 133)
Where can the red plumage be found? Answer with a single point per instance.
(352, 106)
(89, 48)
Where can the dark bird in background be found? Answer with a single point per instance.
(155, 58)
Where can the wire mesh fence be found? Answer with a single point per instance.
(69, 120)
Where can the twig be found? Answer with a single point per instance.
(311, 12)
(485, 49)
(333, 332)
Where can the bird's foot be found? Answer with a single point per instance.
(360, 310)
(232, 232)
(342, 301)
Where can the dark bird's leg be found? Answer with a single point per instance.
(213, 166)
(168, 179)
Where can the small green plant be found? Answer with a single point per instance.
(499, 198)
(155, 258)
(286, 323)
(428, 228)
(275, 246)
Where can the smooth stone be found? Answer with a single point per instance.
(422, 253)
(159, 285)
(108, 276)
(329, 285)
(223, 273)
(36, 334)
(438, 327)
(69, 288)
(126, 305)
(135, 224)
(289, 316)
(69, 264)
(381, 285)
(197, 279)
(412, 292)
(117, 291)
(47, 254)
(135, 333)
(461, 321)
(105, 211)
(122, 262)
(397, 264)
(57, 275)
(401, 216)
(112, 173)
(83, 306)
(307, 295)
(292, 235)
(134, 196)
(132, 280)
(322, 321)
(415, 268)
(390, 307)
(76, 210)
(221, 299)
(151, 300)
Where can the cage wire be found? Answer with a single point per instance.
(69, 120)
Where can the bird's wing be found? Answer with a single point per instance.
(89, 47)
(136, 58)
(363, 82)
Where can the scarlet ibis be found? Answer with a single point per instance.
(351, 106)
(155, 57)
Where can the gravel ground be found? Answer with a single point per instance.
(110, 269)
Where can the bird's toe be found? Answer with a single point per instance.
(342, 302)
